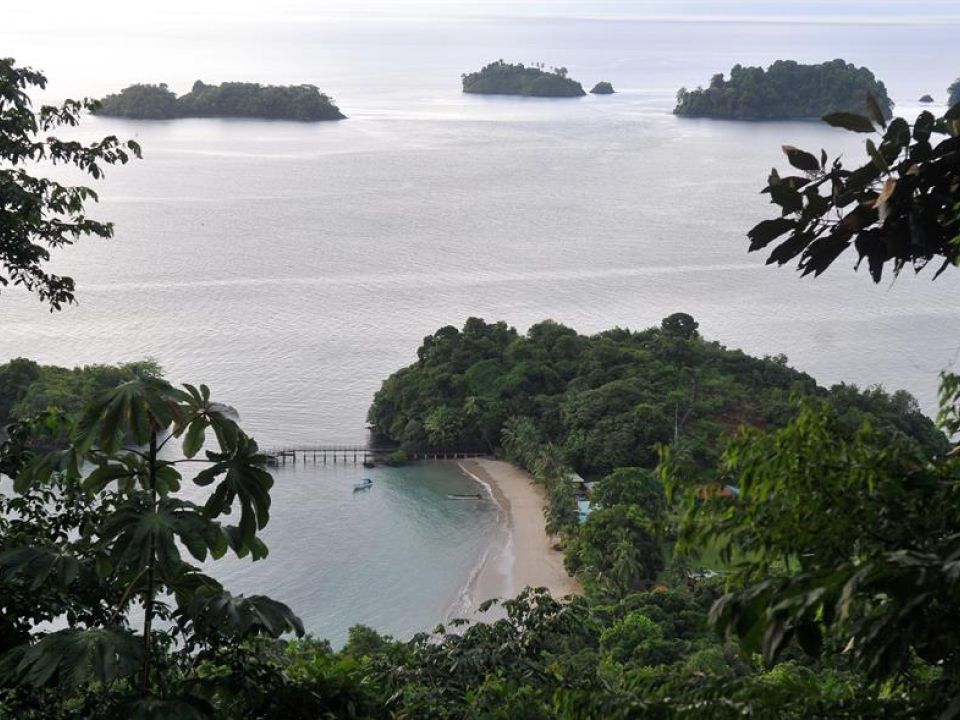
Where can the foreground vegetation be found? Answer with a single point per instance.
(227, 100)
(500, 78)
(834, 518)
(785, 90)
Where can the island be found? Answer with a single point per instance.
(785, 90)
(926, 99)
(603, 88)
(501, 78)
(606, 400)
(227, 100)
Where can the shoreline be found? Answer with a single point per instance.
(526, 557)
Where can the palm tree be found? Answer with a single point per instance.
(627, 571)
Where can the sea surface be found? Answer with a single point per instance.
(292, 267)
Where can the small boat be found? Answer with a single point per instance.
(369, 464)
(475, 496)
(363, 484)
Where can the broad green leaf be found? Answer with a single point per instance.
(106, 474)
(877, 158)
(243, 479)
(768, 230)
(74, 658)
(241, 617)
(194, 438)
(38, 567)
(876, 114)
(850, 121)
(801, 159)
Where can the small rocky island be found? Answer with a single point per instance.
(785, 90)
(227, 100)
(603, 88)
(500, 78)
(926, 99)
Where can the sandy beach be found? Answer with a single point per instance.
(527, 558)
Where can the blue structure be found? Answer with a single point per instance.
(584, 507)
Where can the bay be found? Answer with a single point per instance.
(292, 267)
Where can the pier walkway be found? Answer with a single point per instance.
(354, 454)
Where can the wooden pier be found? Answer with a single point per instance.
(354, 454)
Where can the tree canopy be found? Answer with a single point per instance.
(38, 214)
(607, 400)
(785, 90)
(28, 389)
(230, 100)
(501, 78)
(953, 93)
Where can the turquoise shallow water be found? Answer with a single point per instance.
(396, 557)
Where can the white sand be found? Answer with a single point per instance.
(529, 558)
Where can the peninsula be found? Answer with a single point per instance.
(785, 90)
(500, 78)
(227, 100)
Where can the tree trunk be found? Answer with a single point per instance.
(149, 593)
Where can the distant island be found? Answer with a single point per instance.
(785, 90)
(500, 78)
(603, 88)
(926, 99)
(228, 100)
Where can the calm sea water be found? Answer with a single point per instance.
(292, 267)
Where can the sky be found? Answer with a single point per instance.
(121, 12)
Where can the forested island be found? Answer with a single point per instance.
(227, 100)
(607, 400)
(501, 78)
(602, 88)
(785, 90)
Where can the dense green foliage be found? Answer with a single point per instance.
(86, 543)
(784, 90)
(229, 100)
(902, 207)
(94, 536)
(841, 543)
(140, 101)
(500, 78)
(28, 389)
(602, 88)
(37, 214)
(609, 399)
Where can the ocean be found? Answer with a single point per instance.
(292, 267)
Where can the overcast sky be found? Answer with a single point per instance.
(122, 12)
